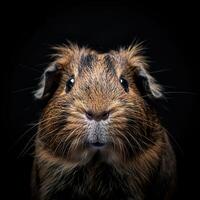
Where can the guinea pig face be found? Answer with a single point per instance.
(96, 104)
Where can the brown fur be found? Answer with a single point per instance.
(138, 155)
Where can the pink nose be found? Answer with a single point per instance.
(97, 116)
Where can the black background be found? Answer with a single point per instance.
(169, 32)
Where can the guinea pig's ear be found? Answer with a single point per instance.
(147, 85)
(49, 82)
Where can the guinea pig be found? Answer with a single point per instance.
(99, 136)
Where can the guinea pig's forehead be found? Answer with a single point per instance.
(94, 62)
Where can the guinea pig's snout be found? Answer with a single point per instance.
(97, 116)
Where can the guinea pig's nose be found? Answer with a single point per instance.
(97, 116)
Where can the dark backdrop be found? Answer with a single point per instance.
(168, 31)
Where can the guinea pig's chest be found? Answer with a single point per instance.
(94, 182)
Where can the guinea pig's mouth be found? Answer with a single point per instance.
(96, 142)
(97, 136)
(97, 145)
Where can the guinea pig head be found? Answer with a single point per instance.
(96, 104)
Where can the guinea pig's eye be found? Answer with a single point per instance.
(70, 83)
(124, 83)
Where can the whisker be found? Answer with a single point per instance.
(31, 68)
(30, 129)
(49, 133)
(22, 90)
(25, 150)
(175, 142)
(180, 92)
(49, 125)
(159, 71)
(138, 144)
(145, 122)
(152, 142)
(121, 148)
(136, 141)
